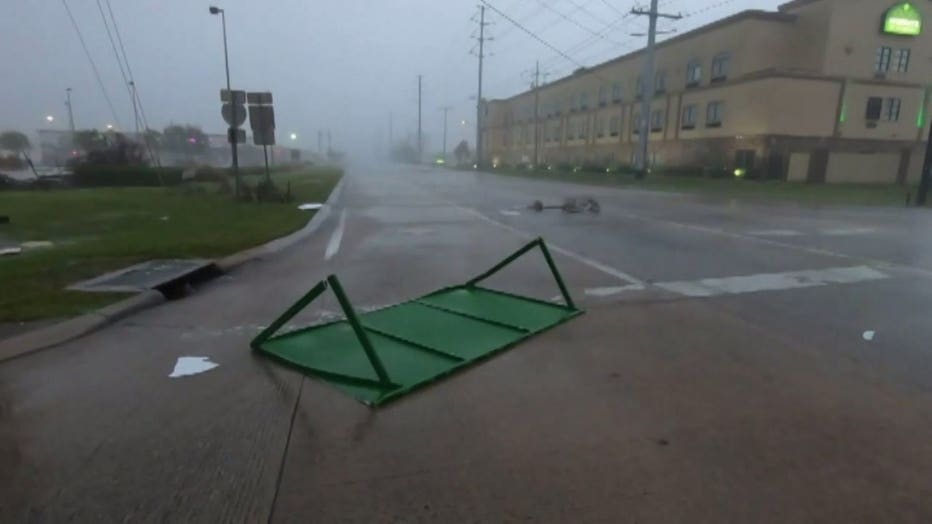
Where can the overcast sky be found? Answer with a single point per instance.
(341, 65)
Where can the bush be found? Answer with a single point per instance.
(126, 176)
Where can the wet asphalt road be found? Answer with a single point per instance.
(760, 401)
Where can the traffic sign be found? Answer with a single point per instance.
(227, 112)
(240, 135)
(239, 96)
(262, 98)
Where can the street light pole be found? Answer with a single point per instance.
(231, 135)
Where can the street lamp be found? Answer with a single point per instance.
(50, 119)
(109, 127)
(294, 136)
(214, 10)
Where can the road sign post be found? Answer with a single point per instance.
(262, 122)
(233, 112)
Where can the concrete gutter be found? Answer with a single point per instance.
(76, 327)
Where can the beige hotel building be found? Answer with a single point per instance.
(823, 91)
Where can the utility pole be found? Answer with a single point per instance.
(926, 179)
(70, 111)
(420, 142)
(647, 82)
(536, 113)
(445, 109)
(132, 89)
(479, 119)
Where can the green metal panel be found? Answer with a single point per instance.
(380, 355)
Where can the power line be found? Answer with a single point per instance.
(575, 22)
(116, 53)
(613, 8)
(708, 8)
(530, 33)
(100, 82)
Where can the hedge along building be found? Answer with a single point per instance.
(819, 91)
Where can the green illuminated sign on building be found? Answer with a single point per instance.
(902, 19)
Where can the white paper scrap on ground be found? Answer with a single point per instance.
(868, 335)
(187, 366)
(36, 244)
(310, 206)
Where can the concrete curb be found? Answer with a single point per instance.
(236, 260)
(73, 328)
(76, 327)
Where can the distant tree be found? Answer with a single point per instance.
(14, 142)
(119, 151)
(462, 153)
(186, 139)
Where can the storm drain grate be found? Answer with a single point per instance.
(154, 274)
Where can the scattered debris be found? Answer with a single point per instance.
(10, 250)
(36, 244)
(310, 206)
(570, 205)
(868, 335)
(187, 366)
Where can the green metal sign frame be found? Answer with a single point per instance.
(380, 355)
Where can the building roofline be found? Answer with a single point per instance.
(793, 4)
(758, 14)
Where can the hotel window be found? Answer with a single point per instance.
(603, 96)
(713, 114)
(693, 73)
(660, 82)
(599, 127)
(902, 60)
(616, 92)
(689, 116)
(882, 63)
(613, 125)
(656, 121)
(891, 109)
(720, 67)
(636, 124)
(584, 101)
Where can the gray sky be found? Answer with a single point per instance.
(343, 65)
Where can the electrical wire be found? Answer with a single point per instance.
(574, 22)
(90, 59)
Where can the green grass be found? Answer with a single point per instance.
(103, 229)
(798, 192)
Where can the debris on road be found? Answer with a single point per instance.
(310, 206)
(187, 366)
(570, 205)
(378, 355)
(10, 250)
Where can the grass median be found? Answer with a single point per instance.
(97, 230)
(798, 192)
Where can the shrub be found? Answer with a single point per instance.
(126, 176)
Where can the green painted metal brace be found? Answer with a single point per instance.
(380, 355)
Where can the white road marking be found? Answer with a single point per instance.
(634, 283)
(509, 213)
(334, 245)
(775, 233)
(187, 366)
(849, 231)
(605, 291)
(868, 335)
(805, 249)
(709, 287)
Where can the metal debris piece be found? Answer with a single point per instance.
(570, 205)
